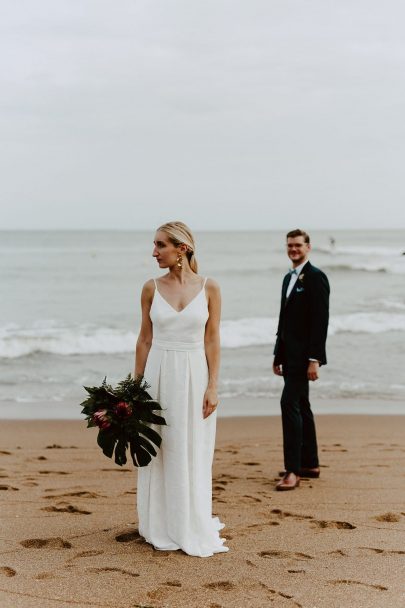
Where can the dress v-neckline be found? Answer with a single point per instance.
(187, 305)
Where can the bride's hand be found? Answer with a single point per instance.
(210, 402)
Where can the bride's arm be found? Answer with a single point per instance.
(212, 346)
(144, 341)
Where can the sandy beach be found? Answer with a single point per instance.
(69, 529)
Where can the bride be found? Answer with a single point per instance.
(178, 353)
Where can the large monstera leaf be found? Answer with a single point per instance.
(125, 415)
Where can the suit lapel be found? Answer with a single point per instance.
(284, 288)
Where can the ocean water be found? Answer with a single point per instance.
(69, 313)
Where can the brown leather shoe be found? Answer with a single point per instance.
(290, 481)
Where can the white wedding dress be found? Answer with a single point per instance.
(174, 495)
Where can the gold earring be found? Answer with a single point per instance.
(179, 261)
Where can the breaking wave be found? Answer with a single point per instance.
(51, 338)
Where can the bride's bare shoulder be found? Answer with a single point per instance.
(212, 286)
(148, 288)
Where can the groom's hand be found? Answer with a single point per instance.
(313, 370)
(278, 370)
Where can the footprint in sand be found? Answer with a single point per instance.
(128, 537)
(66, 509)
(259, 527)
(9, 488)
(112, 569)
(218, 489)
(338, 552)
(42, 576)
(89, 553)
(280, 594)
(5, 453)
(281, 514)
(339, 525)
(250, 498)
(252, 464)
(383, 551)
(49, 543)
(173, 583)
(7, 571)
(390, 517)
(284, 554)
(56, 446)
(221, 585)
(334, 450)
(82, 494)
(265, 494)
(352, 582)
(158, 553)
(117, 470)
(53, 472)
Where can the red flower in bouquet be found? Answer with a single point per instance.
(123, 409)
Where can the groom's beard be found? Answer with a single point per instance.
(297, 261)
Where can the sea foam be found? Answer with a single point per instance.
(61, 340)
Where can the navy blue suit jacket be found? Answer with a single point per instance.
(303, 321)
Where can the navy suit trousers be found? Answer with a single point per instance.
(299, 434)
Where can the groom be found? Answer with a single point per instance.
(298, 354)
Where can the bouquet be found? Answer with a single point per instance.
(123, 415)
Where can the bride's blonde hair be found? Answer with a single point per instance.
(178, 234)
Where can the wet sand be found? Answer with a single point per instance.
(69, 528)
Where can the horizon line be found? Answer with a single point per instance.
(327, 228)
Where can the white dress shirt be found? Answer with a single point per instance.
(294, 277)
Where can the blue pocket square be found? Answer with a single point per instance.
(299, 289)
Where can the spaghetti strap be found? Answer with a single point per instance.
(205, 280)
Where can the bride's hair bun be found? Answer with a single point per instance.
(178, 234)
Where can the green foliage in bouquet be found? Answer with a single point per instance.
(123, 415)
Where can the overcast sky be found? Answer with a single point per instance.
(238, 114)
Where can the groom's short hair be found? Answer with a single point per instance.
(297, 232)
